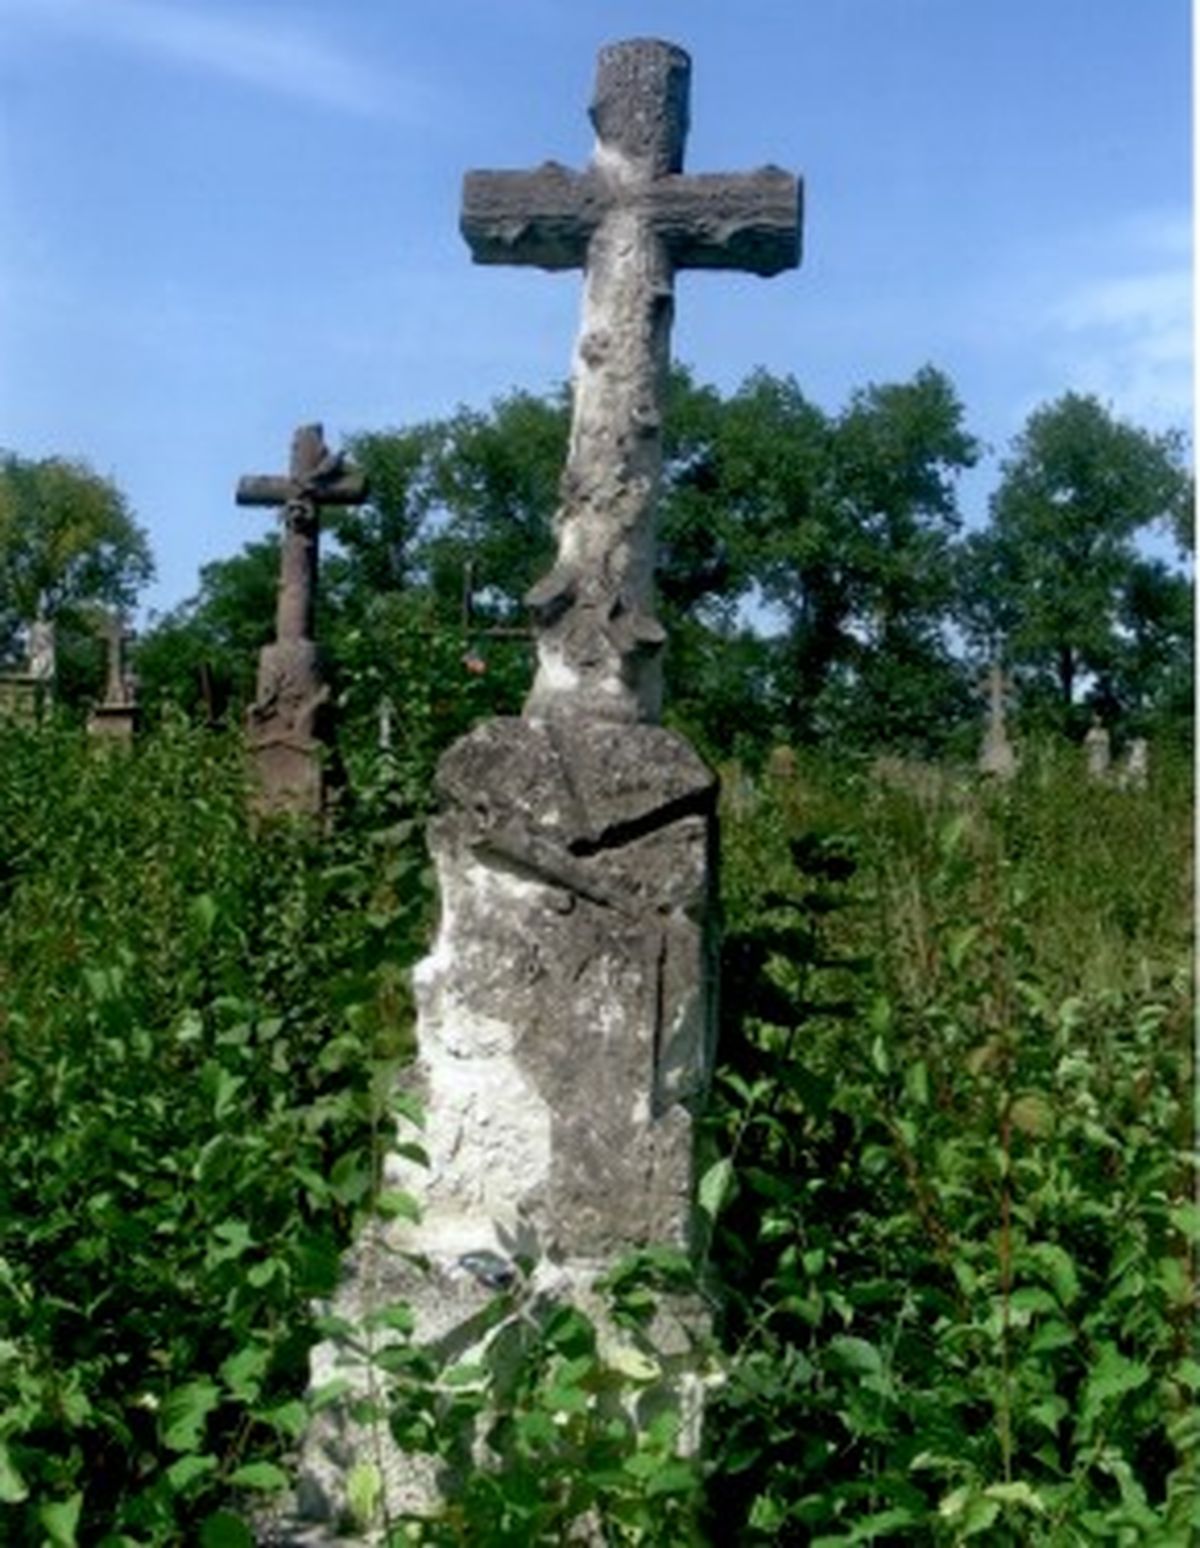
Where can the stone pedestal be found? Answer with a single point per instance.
(113, 723)
(286, 731)
(997, 757)
(566, 1017)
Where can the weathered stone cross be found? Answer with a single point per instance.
(289, 717)
(316, 477)
(630, 220)
(116, 634)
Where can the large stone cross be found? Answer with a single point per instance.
(316, 477)
(630, 220)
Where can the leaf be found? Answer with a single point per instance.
(1111, 1377)
(350, 1178)
(259, 1475)
(225, 1530)
(675, 1477)
(290, 1418)
(633, 1363)
(184, 1412)
(916, 1083)
(1185, 1218)
(1056, 1265)
(1032, 1114)
(1052, 1334)
(204, 912)
(395, 1203)
(13, 1488)
(61, 1520)
(242, 1372)
(225, 1094)
(186, 1470)
(959, 944)
(715, 1186)
(857, 1353)
(1016, 1493)
(363, 1489)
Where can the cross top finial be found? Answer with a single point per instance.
(640, 108)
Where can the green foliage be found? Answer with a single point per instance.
(201, 656)
(68, 545)
(196, 1018)
(1056, 573)
(66, 539)
(957, 1243)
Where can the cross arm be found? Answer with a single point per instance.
(544, 217)
(271, 489)
(749, 220)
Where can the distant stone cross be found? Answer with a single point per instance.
(317, 477)
(997, 756)
(116, 635)
(630, 220)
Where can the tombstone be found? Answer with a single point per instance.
(1134, 773)
(115, 718)
(566, 1011)
(43, 656)
(287, 726)
(996, 756)
(26, 695)
(1097, 750)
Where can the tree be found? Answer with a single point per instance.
(68, 544)
(838, 530)
(1050, 578)
(202, 655)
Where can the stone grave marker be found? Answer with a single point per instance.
(566, 1011)
(26, 695)
(1134, 773)
(996, 756)
(115, 718)
(1097, 750)
(287, 725)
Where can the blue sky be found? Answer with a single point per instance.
(219, 219)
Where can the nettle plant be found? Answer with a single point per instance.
(959, 1243)
(197, 1018)
(953, 1251)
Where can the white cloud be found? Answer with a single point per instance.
(1127, 335)
(268, 55)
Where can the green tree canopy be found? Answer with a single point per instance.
(68, 542)
(1055, 580)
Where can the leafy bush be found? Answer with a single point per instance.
(194, 1014)
(957, 1247)
(954, 1231)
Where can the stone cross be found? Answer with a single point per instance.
(113, 631)
(115, 718)
(1097, 750)
(286, 724)
(42, 653)
(630, 220)
(566, 1013)
(997, 756)
(316, 477)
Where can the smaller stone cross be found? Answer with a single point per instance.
(996, 756)
(288, 720)
(115, 718)
(116, 635)
(315, 478)
(41, 650)
(1097, 750)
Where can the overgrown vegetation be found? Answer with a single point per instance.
(949, 1160)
